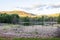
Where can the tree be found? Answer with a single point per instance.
(26, 21)
(15, 18)
(43, 20)
(58, 20)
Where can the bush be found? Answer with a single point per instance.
(26, 24)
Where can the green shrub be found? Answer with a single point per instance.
(26, 24)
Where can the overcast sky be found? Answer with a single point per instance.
(31, 6)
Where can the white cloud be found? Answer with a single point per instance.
(43, 9)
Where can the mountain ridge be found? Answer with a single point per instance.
(25, 14)
(20, 13)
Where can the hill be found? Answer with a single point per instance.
(20, 13)
(54, 15)
(24, 14)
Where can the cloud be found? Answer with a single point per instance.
(55, 6)
(46, 6)
(42, 9)
(33, 7)
(38, 6)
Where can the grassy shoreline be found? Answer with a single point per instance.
(29, 38)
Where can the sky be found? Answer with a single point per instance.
(31, 6)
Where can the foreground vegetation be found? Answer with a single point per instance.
(29, 38)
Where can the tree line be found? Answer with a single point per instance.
(9, 18)
(15, 19)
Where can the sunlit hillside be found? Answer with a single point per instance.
(50, 15)
(24, 14)
(20, 13)
(54, 15)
